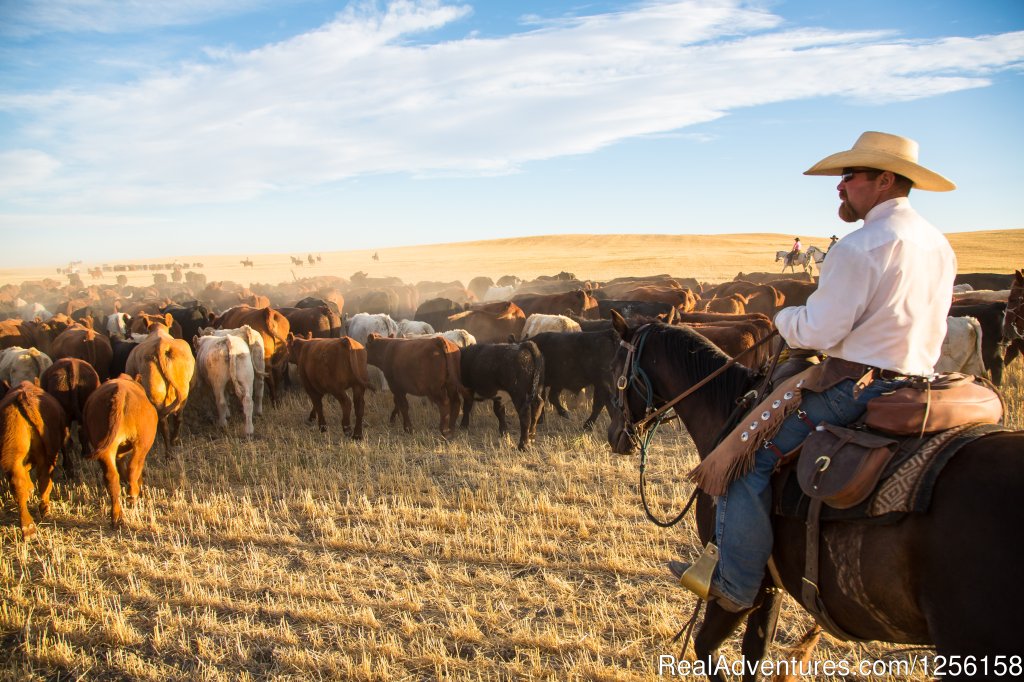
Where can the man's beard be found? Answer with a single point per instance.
(846, 213)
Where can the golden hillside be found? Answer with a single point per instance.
(589, 256)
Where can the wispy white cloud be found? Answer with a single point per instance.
(360, 96)
(25, 18)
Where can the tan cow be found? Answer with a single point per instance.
(224, 360)
(165, 366)
(257, 355)
(32, 429)
(273, 327)
(120, 425)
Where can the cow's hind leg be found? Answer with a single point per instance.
(499, 413)
(108, 461)
(346, 412)
(221, 400)
(318, 409)
(21, 486)
(359, 403)
(244, 396)
(402, 407)
(453, 405)
(44, 481)
(133, 465)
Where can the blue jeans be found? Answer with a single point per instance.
(743, 526)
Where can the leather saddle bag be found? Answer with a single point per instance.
(925, 406)
(841, 466)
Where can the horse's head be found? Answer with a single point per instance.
(632, 397)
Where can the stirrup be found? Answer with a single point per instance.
(697, 577)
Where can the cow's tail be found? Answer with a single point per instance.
(453, 362)
(358, 370)
(165, 350)
(72, 377)
(89, 344)
(537, 379)
(115, 421)
(30, 412)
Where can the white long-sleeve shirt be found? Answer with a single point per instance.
(883, 294)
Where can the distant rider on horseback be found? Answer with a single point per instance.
(794, 253)
(879, 314)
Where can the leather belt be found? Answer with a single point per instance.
(856, 370)
(878, 372)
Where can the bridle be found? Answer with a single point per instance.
(641, 432)
(1014, 322)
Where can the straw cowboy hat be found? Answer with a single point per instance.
(885, 152)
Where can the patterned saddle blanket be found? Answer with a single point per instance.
(906, 484)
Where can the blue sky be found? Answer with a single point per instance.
(190, 127)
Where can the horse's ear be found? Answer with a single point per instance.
(619, 324)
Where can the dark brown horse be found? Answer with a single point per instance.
(948, 578)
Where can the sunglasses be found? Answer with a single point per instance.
(847, 175)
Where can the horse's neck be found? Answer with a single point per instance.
(704, 413)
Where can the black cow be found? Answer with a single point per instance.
(576, 360)
(630, 309)
(119, 358)
(985, 280)
(314, 302)
(190, 317)
(515, 368)
(990, 317)
(436, 312)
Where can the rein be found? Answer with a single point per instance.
(639, 433)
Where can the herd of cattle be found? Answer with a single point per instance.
(121, 363)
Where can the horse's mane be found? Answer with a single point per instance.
(689, 353)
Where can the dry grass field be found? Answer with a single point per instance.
(298, 555)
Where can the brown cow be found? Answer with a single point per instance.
(141, 322)
(491, 327)
(795, 291)
(733, 339)
(577, 302)
(32, 429)
(71, 381)
(330, 367)
(120, 426)
(164, 366)
(30, 334)
(684, 299)
(754, 324)
(273, 327)
(85, 344)
(424, 366)
(761, 298)
(320, 322)
(733, 304)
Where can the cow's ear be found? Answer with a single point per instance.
(309, 335)
(619, 324)
(671, 315)
(168, 319)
